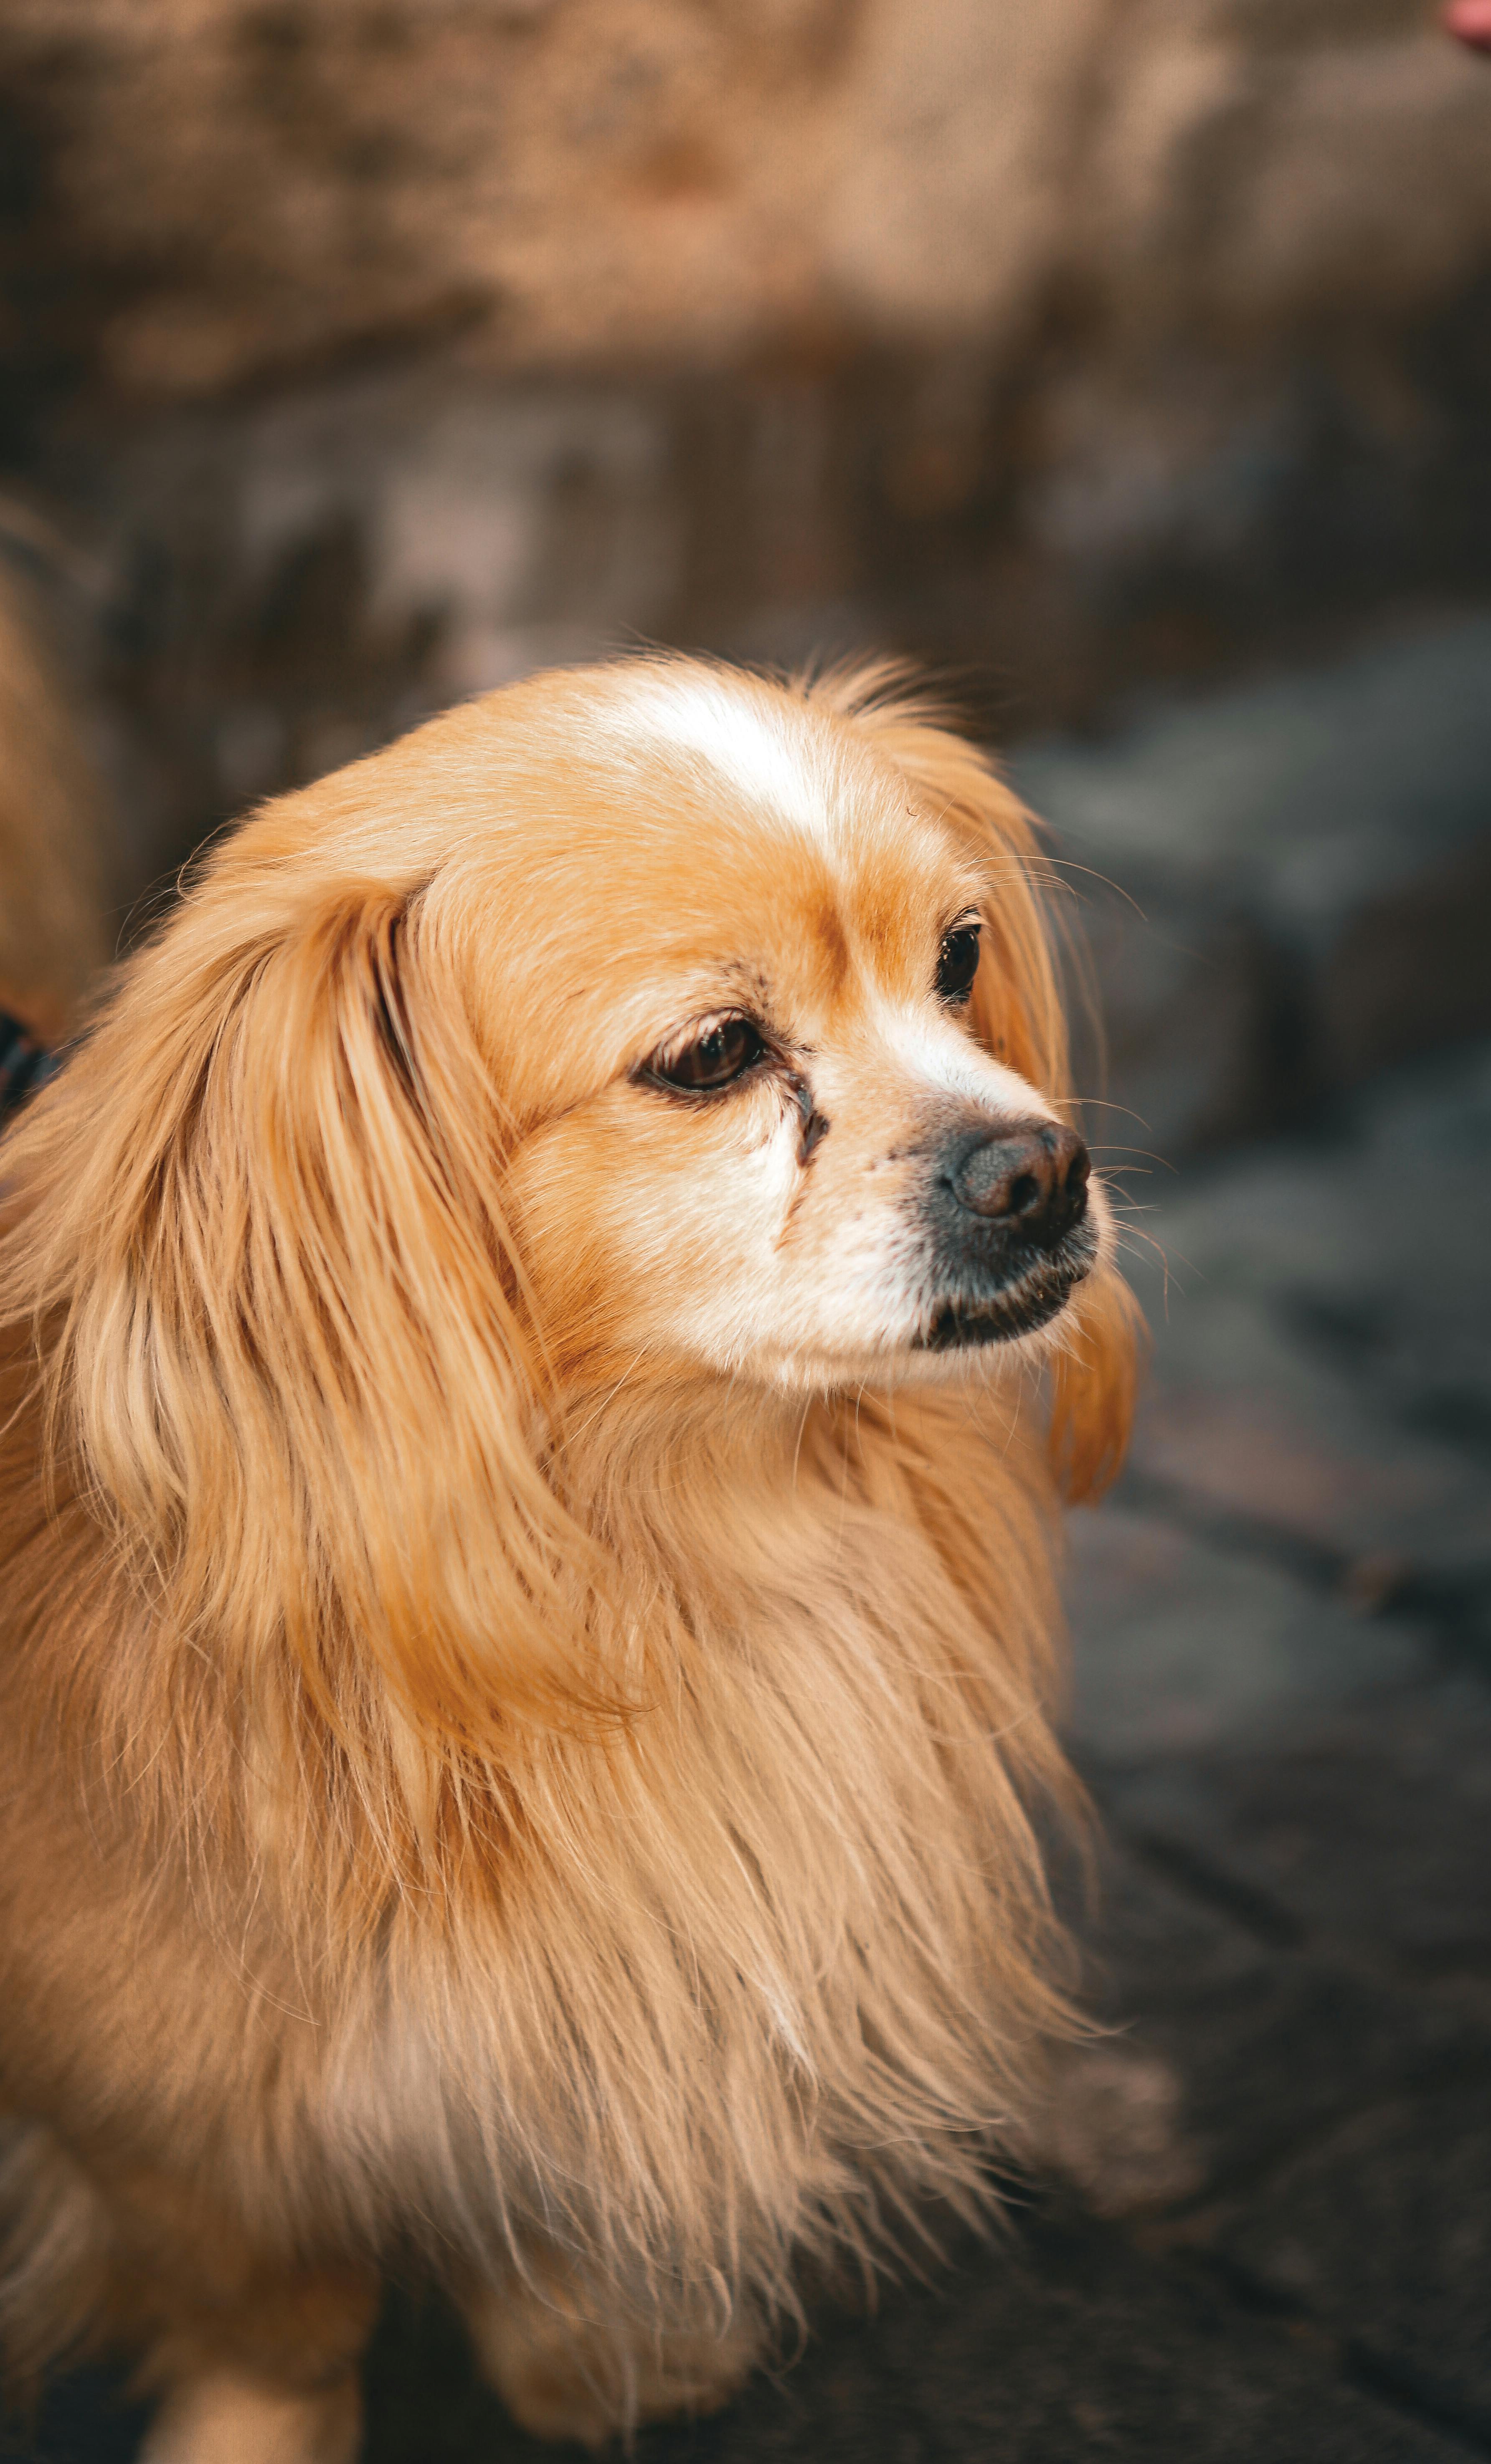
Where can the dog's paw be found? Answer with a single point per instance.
(562, 2374)
(1115, 2128)
(223, 2418)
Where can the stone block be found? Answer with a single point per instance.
(1301, 881)
(1384, 1198)
(1384, 2229)
(1177, 1052)
(1321, 1339)
(1179, 1644)
(1269, 2035)
(1366, 1830)
(579, 184)
(1306, 1455)
(1409, 969)
(1078, 348)
(1364, 1243)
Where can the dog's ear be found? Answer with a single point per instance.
(1018, 1013)
(1095, 1383)
(294, 1365)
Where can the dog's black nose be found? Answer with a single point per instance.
(1030, 1178)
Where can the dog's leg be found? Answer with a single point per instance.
(264, 2373)
(253, 2359)
(564, 2369)
(222, 2417)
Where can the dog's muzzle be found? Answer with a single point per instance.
(1007, 1208)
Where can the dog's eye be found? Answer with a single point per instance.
(958, 962)
(726, 1049)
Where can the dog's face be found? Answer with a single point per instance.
(731, 997)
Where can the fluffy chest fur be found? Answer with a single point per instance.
(749, 1969)
(769, 1956)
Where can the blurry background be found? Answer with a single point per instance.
(359, 353)
(1131, 362)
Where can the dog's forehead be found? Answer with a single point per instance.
(764, 809)
(759, 749)
(744, 783)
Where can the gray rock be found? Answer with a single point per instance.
(1320, 1387)
(1271, 2033)
(1179, 1644)
(1385, 2228)
(1367, 1830)
(1300, 879)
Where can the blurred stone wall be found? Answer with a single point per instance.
(237, 191)
(358, 353)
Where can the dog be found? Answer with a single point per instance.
(547, 1317)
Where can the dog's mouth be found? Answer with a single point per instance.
(1030, 1299)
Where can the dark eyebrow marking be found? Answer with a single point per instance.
(816, 1125)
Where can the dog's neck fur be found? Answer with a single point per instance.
(764, 1474)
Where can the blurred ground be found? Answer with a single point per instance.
(1265, 2230)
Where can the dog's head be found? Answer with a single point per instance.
(649, 1022)
(772, 1014)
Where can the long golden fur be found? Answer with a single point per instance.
(524, 1707)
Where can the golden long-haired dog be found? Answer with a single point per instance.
(528, 1628)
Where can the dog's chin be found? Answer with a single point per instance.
(978, 1312)
(957, 1328)
(968, 1321)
